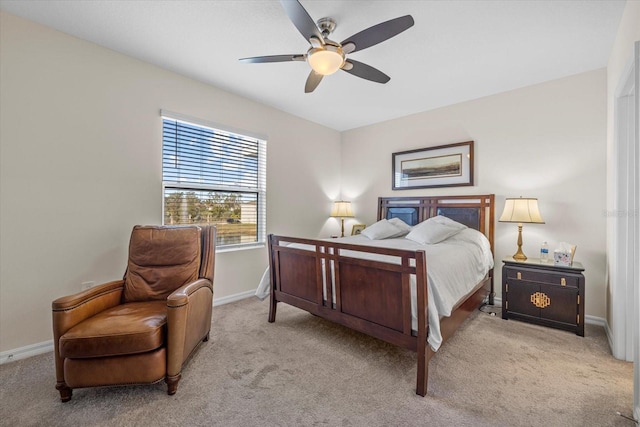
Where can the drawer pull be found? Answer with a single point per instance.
(563, 282)
(519, 275)
(540, 300)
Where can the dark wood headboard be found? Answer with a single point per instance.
(474, 211)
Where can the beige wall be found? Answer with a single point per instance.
(80, 135)
(545, 141)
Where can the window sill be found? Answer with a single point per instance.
(224, 249)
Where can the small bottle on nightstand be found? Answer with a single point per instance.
(544, 252)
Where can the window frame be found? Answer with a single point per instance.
(260, 191)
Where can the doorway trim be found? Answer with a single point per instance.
(625, 290)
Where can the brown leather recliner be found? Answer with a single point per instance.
(141, 329)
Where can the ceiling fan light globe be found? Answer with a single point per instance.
(325, 60)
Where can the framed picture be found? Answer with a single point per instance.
(442, 166)
(357, 229)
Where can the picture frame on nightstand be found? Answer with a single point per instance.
(357, 229)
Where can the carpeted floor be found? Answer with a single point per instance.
(304, 371)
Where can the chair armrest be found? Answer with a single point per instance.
(188, 322)
(181, 296)
(70, 310)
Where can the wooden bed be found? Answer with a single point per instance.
(371, 296)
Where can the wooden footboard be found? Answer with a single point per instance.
(367, 295)
(370, 296)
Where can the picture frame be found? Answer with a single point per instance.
(448, 165)
(357, 229)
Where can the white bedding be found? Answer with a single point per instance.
(454, 267)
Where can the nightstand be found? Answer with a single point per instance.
(543, 293)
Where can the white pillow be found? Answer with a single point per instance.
(401, 225)
(435, 230)
(447, 221)
(382, 229)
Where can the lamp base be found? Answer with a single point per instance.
(519, 255)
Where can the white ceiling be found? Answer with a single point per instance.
(456, 51)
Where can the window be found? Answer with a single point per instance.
(214, 176)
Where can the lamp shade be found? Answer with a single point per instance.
(521, 210)
(342, 209)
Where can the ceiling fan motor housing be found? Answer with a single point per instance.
(326, 26)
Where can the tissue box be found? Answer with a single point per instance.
(564, 254)
(561, 258)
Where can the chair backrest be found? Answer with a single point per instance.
(162, 259)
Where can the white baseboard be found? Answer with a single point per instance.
(233, 298)
(593, 320)
(46, 346)
(26, 351)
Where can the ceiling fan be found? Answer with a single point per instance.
(326, 56)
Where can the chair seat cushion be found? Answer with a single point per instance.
(129, 328)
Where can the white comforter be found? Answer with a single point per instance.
(454, 267)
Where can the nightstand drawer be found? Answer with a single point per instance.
(568, 280)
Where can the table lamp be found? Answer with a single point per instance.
(521, 210)
(342, 210)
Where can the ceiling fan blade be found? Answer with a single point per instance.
(301, 19)
(313, 81)
(377, 34)
(273, 58)
(365, 71)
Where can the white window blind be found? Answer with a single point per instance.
(214, 176)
